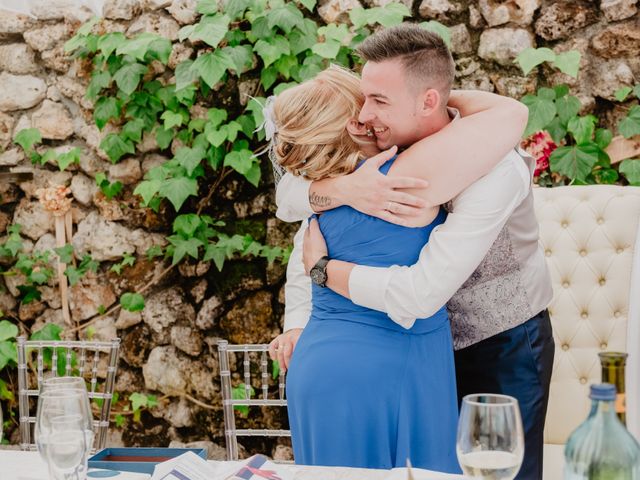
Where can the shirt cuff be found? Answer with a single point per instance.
(295, 320)
(368, 286)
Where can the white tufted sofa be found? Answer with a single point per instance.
(591, 239)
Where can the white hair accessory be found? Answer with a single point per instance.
(270, 130)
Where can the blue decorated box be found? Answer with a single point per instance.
(142, 460)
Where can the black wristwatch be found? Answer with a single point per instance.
(318, 272)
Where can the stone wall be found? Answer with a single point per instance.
(169, 347)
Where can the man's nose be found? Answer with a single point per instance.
(366, 115)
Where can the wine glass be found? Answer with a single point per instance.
(61, 432)
(490, 441)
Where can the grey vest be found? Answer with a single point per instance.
(511, 285)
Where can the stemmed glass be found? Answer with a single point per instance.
(490, 442)
(61, 432)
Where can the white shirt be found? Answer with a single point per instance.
(454, 251)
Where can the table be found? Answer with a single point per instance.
(18, 465)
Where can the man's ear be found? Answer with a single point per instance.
(430, 102)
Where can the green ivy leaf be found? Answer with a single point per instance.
(68, 158)
(209, 7)
(631, 169)
(187, 224)
(286, 17)
(111, 189)
(160, 50)
(132, 130)
(215, 253)
(439, 29)
(235, 8)
(184, 246)
(128, 77)
(27, 138)
(211, 29)
(568, 107)
(178, 189)
(50, 331)
(529, 58)
(7, 330)
(147, 189)
(240, 58)
(240, 161)
(189, 158)
(65, 253)
(99, 80)
(603, 137)
(268, 76)
(582, 128)
(163, 137)
(329, 49)
(115, 147)
(575, 161)
(541, 112)
(568, 62)
(630, 126)
(171, 119)
(212, 66)
(359, 17)
(105, 109)
(308, 4)
(185, 75)
(139, 46)
(110, 42)
(622, 93)
(606, 176)
(8, 354)
(253, 175)
(216, 116)
(272, 48)
(391, 14)
(301, 39)
(132, 302)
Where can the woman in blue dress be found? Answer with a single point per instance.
(362, 390)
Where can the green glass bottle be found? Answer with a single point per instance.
(601, 448)
(613, 364)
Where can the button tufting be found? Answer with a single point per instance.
(600, 220)
(616, 314)
(583, 252)
(602, 281)
(583, 380)
(584, 314)
(564, 224)
(565, 284)
(603, 346)
(619, 250)
(547, 252)
(565, 347)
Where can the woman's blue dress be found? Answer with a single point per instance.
(363, 391)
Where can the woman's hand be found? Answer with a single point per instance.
(281, 348)
(314, 246)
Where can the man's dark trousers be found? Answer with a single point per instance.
(516, 362)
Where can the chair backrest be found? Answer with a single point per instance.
(592, 245)
(89, 360)
(258, 357)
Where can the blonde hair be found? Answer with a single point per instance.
(311, 120)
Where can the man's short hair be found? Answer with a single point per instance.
(424, 55)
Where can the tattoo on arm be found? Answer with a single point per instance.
(319, 200)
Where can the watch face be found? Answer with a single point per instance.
(318, 276)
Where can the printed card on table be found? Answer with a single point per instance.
(260, 467)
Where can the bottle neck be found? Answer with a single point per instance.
(603, 408)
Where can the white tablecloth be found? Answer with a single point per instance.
(18, 465)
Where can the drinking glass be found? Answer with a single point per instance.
(61, 432)
(1, 422)
(73, 383)
(490, 442)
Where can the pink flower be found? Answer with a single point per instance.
(540, 145)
